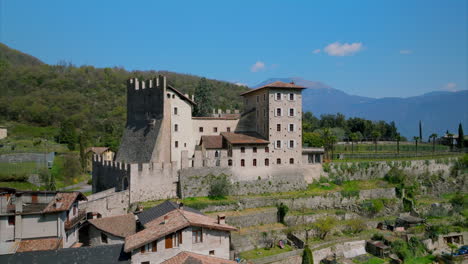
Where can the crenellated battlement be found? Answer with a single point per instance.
(134, 84)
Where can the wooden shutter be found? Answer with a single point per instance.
(180, 237)
(155, 246)
(169, 241)
(34, 198)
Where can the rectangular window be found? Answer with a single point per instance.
(200, 129)
(176, 144)
(278, 112)
(278, 96)
(103, 238)
(175, 110)
(154, 246)
(267, 149)
(215, 129)
(291, 143)
(242, 163)
(278, 143)
(176, 127)
(291, 127)
(197, 235)
(278, 127)
(267, 162)
(228, 129)
(242, 150)
(254, 149)
(291, 111)
(254, 162)
(291, 97)
(11, 220)
(212, 252)
(145, 262)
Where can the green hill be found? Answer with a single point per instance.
(92, 99)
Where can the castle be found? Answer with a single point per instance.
(163, 145)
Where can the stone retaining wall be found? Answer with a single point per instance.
(261, 217)
(248, 241)
(107, 203)
(341, 250)
(291, 257)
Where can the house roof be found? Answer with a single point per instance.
(212, 142)
(39, 244)
(185, 257)
(244, 138)
(97, 150)
(176, 220)
(183, 96)
(89, 255)
(226, 117)
(277, 84)
(161, 209)
(120, 225)
(63, 201)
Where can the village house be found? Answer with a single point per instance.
(39, 220)
(105, 153)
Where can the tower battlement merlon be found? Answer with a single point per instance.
(134, 84)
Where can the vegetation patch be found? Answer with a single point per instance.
(265, 252)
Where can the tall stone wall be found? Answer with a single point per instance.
(196, 182)
(109, 174)
(107, 203)
(152, 181)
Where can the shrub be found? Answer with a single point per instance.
(349, 193)
(307, 256)
(282, 211)
(377, 236)
(326, 167)
(21, 177)
(324, 225)
(395, 176)
(355, 226)
(459, 200)
(219, 187)
(373, 206)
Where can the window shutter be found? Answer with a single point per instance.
(154, 246)
(169, 241)
(180, 237)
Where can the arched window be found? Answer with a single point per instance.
(254, 162)
(267, 162)
(242, 163)
(278, 161)
(230, 162)
(291, 161)
(169, 95)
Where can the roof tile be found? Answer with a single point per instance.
(185, 257)
(121, 225)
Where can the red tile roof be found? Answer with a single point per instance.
(63, 201)
(39, 244)
(121, 225)
(185, 257)
(176, 220)
(277, 84)
(212, 142)
(244, 138)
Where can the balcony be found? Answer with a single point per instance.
(69, 224)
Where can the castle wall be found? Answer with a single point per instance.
(152, 181)
(109, 174)
(107, 203)
(209, 125)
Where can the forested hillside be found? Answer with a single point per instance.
(91, 100)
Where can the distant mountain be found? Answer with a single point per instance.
(439, 111)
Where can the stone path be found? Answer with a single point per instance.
(80, 187)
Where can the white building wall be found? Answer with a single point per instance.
(39, 225)
(95, 237)
(208, 127)
(212, 240)
(7, 232)
(183, 120)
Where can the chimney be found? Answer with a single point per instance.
(292, 82)
(166, 218)
(221, 219)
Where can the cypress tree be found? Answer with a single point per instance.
(203, 98)
(420, 130)
(307, 256)
(461, 139)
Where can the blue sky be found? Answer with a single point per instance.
(370, 48)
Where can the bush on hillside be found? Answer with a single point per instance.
(219, 187)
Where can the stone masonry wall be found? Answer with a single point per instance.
(107, 203)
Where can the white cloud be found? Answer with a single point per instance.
(316, 51)
(258, 66)
(451, 86)
(406, 52)
(345, 49)
(240, 84)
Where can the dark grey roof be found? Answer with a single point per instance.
(98, 255)
(161, 209)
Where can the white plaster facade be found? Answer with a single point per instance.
(215, 243)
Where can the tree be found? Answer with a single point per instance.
(307, 257)
(375, 137)
(67, 134)
(433, 136)
(312, 139)
(324, 225)
(460, 140)
(329, 139)
(398, 138)
(203, 97)
(83, 142)
(450, 138)
(420, 130)
(416, 139)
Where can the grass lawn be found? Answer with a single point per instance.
(425, 157)
(420, 260)
(20, 185)
(20, 168)
(262, 252)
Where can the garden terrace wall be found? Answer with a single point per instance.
(261, 216)
(241, 242)
(291, 257)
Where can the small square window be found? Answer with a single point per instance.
(254, 149)
(212, 252)
(200, 129)
(215, 129)
(242, 149)
(228, 129)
